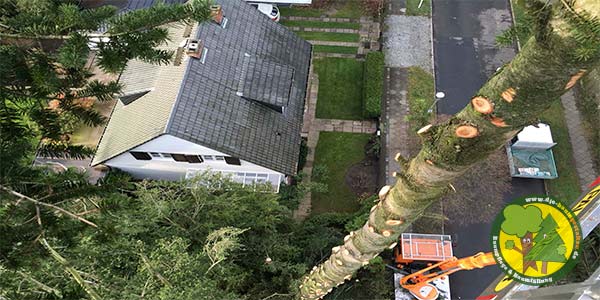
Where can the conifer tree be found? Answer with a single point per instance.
(44, 50)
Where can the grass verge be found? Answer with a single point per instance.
(348, 9)
(342, 9)
(374, 69)
(340, 88)
(420, 97)
(566, 186)
(317, 24)
(412, 8)
(336, 152)
(335, 49)
(301, 11)
(329, 36)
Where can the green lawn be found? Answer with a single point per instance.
(301, 11)
(340, 88)
(317, 24)
(348, 9)
(337, 151)
(420, 97)
(412, 8)
(329, 36)
(342, 9)
(335, 49)
(566, 186)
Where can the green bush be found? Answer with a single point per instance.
(373, 90)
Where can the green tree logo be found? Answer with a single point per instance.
(535, 240)
(522, 222)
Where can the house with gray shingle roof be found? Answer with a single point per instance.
(231, 101)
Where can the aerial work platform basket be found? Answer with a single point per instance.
(423, 247)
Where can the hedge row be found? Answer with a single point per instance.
(373, 86)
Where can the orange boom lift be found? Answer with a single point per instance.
(437, 250)
(418, 283)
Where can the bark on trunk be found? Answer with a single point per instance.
(518, 93)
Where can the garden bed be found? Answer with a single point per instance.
(336, 153)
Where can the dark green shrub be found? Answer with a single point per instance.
(373, 87)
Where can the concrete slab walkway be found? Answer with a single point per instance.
(365, 126)
(581, 148)
(396, 129)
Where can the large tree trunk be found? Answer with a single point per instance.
(549, 64)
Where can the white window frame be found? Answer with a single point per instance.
(240, 177)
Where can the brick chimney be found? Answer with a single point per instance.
(216, 12)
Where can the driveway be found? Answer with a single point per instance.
(465, 56)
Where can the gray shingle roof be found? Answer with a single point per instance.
(209, 110)
(253, 55)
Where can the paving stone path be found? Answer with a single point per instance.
(581, 147)
(331, 43)
(339, 55)
(320, 19)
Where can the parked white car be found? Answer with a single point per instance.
(272, 11)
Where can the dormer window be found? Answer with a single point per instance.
(265, 82)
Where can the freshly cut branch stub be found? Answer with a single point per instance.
(482, 105)
(466, 131)
(393, 222)
(509, 95)
(384, 191)
(574, 79)
(424, 129)
(498, 122)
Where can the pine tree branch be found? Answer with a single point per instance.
(54, 207)
(45, 288)
(154, 272)
(75, 273)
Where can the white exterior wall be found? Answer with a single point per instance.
(169, 169)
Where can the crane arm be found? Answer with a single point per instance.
(415, 282)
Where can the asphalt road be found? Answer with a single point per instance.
(465, 56)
